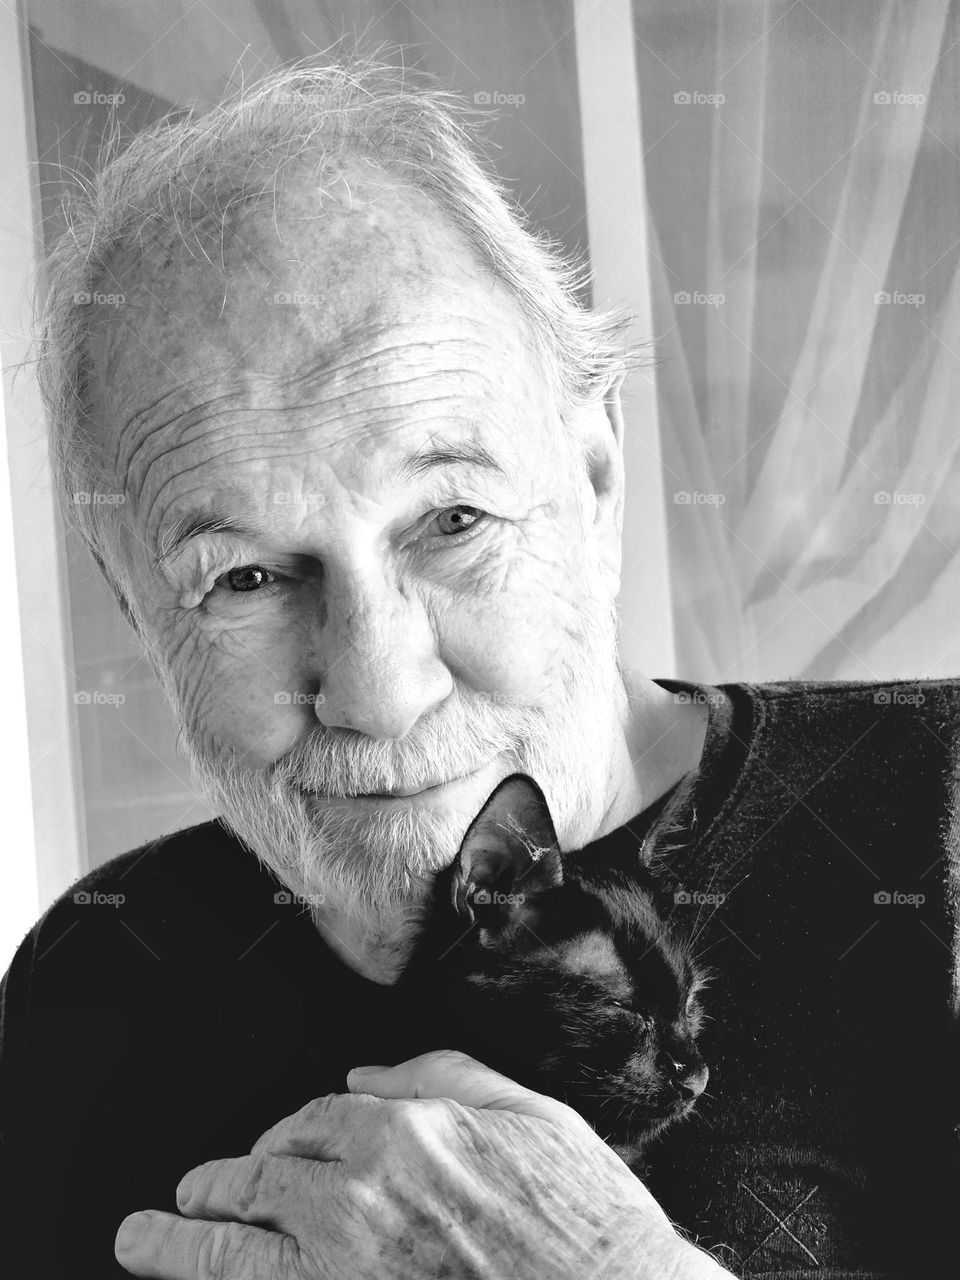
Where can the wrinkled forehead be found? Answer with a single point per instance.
(275, 288)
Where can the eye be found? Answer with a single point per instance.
(458, 520)
(248, 577)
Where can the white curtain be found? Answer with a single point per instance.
(803, 173)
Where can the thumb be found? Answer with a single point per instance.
(448, 1073)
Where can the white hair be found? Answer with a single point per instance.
(192, 167)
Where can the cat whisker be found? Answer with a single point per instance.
(698, 928)
(696, 1114)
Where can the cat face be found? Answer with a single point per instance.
(570, 981)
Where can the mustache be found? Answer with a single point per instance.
(461, 740)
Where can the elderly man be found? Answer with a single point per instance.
(369, 447)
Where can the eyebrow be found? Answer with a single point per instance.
(423, 460)
(174, 538)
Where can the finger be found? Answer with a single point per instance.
(448, 1073)
(262, 1190)
(172, 1248)
(320, 1130)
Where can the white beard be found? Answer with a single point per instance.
(370, 869)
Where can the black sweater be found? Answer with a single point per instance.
(141, 1036)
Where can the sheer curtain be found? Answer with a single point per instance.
(803, 172)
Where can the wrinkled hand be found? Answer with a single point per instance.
(437, 1167)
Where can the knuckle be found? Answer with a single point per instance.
(446, 1056)
(420, 1120)
(286, 1134)
(368, 1210)
(401, 1117)
(361, 1198)
(290, 1259)
(250, 1182)
(221, 1252)
(317, 1108)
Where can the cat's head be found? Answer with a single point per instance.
(575, 984)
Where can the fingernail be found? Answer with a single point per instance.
(362, 1072)
(131, 1228)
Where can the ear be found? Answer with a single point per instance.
(495, 876)
(598, 427)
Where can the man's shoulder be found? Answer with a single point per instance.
(840, 707)
(847, 746)
(190, 851)
(187, 885)
(204, 856)
(866, 691)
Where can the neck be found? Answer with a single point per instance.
(662, 741)
(377, 953)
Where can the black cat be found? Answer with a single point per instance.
(560, 972)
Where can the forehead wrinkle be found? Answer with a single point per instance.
(182, 384)
(325, 375)
(178, 421)
(306, 378)
(177, 478)
(389, 418)
(327, 367)
(357, 358)
(193, 422)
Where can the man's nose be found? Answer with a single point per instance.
(379, 667)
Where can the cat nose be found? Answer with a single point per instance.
(690, 1083)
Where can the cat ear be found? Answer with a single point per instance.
(495, 869)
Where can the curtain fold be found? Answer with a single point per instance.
(805, 224)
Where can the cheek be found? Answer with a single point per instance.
(508, 647)
(514, 631)
(239, 688)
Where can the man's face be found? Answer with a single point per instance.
(416, 587)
